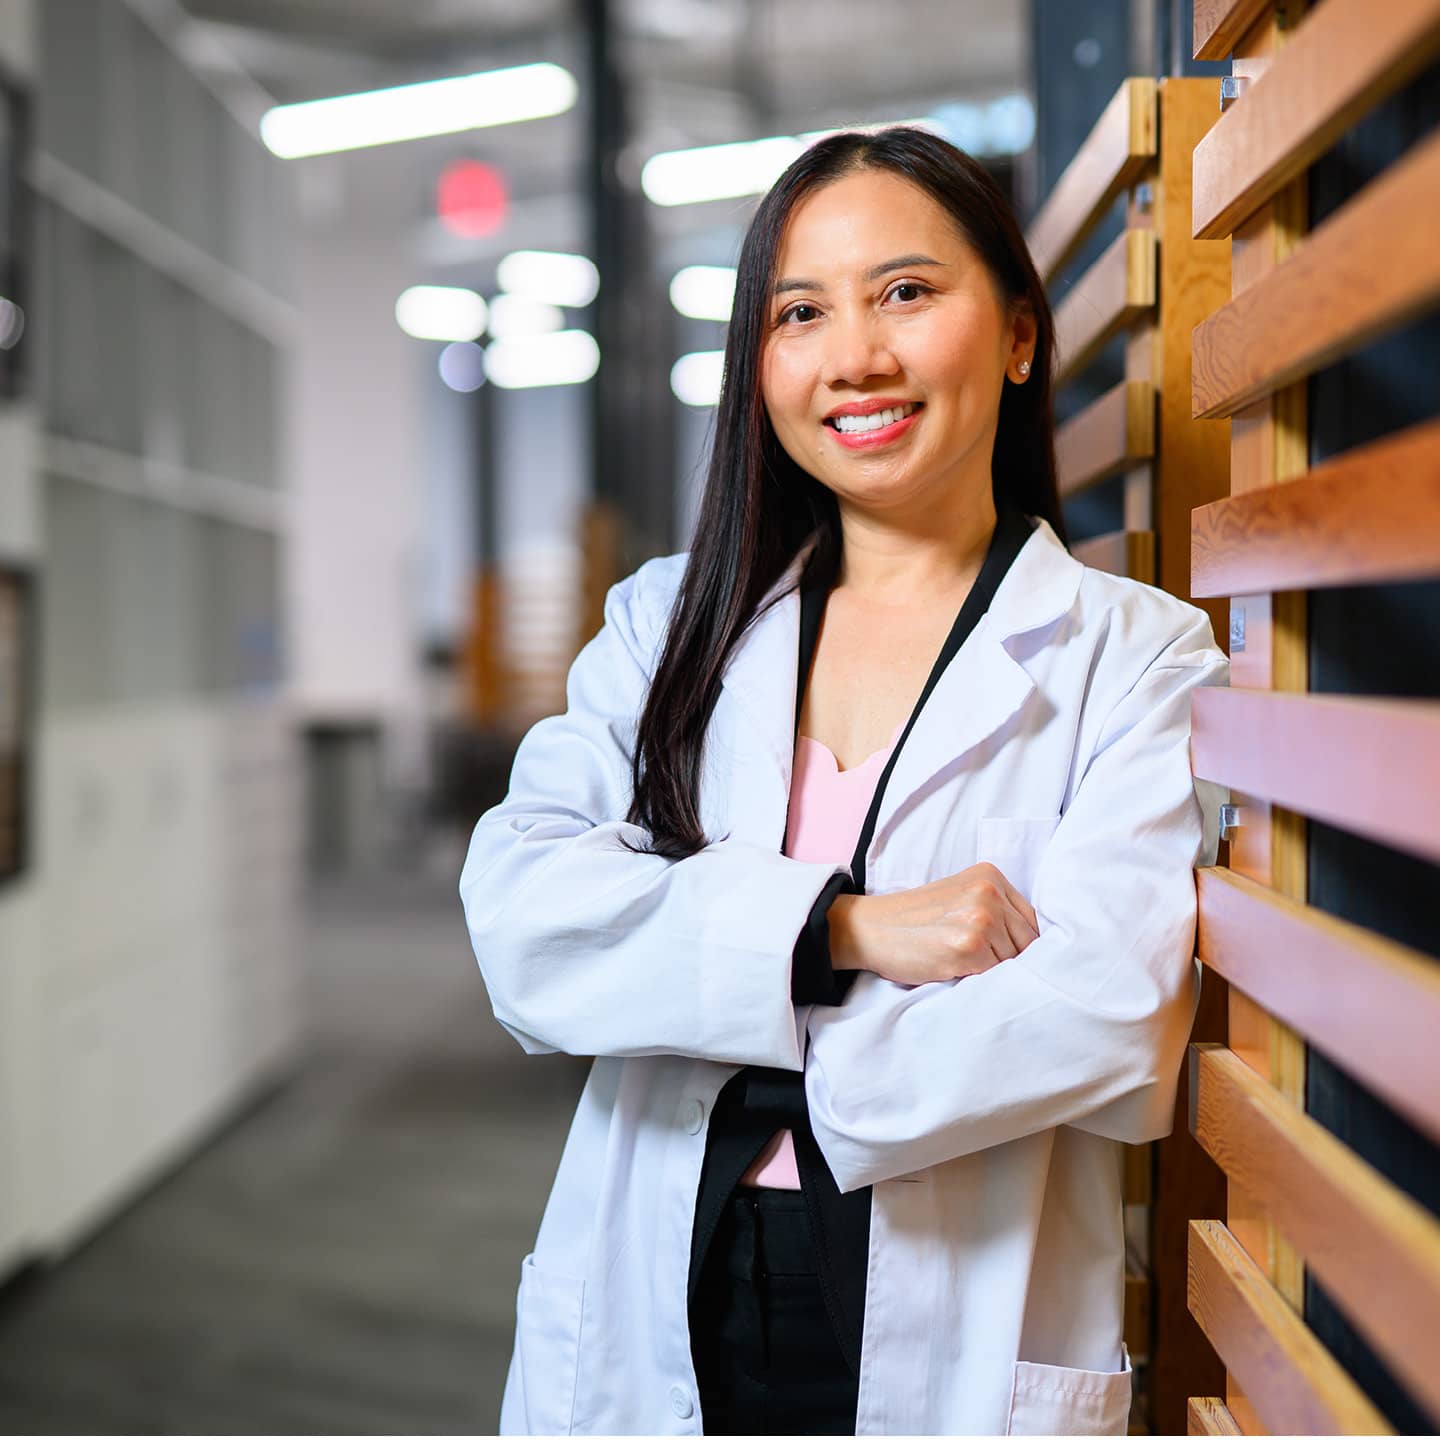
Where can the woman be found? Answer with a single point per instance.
(862, 861)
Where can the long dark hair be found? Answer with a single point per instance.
(759, 506)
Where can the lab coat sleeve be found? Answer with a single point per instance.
(590, 948)
(1087, 1026)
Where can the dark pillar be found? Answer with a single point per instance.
(632, 408)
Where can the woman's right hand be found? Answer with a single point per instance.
(959, 925)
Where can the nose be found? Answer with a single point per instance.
(856, 349)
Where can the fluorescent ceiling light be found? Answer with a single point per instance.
(549, 275)
(512, 315)
(695, 378)
(704, 292)
(717, 172)
(439, 312)
(747, 167)
(567, 357)
(411, 112)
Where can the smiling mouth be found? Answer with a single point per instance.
(876, 420)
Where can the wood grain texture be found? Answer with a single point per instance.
(1108, 436)
(1191, 456)
(1376, 1251)
(1346, 58)
(1112, 294)
(1190, 467)
(1219, 25)
(1370, 515)
(1287, 1375)
(1208, 1415)
(1364, 764)
(1121, 552)
(1119, 148)
(1267, 446)
(1371, 1005)
(1369, 268)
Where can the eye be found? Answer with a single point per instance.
(915, 285)
(794, 311)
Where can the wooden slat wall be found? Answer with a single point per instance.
(1338, 66)
(1113, 434)
(1375, 1250)
(1117, 152)
(1298, 1388)
(1370, 1004)
(1297, 1197)
(1151, 286)
(1372, 514)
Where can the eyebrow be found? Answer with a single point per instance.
(900, 262)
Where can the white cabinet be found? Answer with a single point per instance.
(155, 981)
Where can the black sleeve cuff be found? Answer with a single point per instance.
(812, 979)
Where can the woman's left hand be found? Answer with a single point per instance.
(959, 925)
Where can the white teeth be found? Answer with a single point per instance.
(858, 424)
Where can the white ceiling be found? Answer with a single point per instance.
(697, 72)
(791, 55)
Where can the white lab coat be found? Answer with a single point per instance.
(988, 1112)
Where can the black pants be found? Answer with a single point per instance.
(764, 1347)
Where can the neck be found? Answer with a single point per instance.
(918, 559)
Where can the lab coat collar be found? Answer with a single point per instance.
(976, 694)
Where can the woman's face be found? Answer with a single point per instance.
(880, 304)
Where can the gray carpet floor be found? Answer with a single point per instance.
(343, 1258)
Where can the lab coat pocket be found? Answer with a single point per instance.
(550, 1308)
(1014, 845)
(1061, 1400)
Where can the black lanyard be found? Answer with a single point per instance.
(758, 1100)
(1011, 532)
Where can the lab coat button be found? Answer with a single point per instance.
(680, 1402)
(693, 1117)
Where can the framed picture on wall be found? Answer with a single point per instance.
(16, 707)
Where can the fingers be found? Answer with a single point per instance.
(1019, 929)
(1016, 923)
(1013, 901)
(1022, 907)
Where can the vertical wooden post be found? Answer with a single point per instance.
(1268, 446)
(1192, 468)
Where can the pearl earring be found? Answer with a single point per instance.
(1024, 367)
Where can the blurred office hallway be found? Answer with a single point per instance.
(343, 1258)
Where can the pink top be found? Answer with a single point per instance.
(827, 809)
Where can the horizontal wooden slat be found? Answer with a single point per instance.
(1111, 158)
(1219, 25)
(1367, 765)
(1369, 268)
(1112, 294)
(1344, 59)
(1376, 1251)
(1369, 515)
(1112, 434)
(1121, 552)
(1209, 1415)
(1371, 1005)
(1291, 1380)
